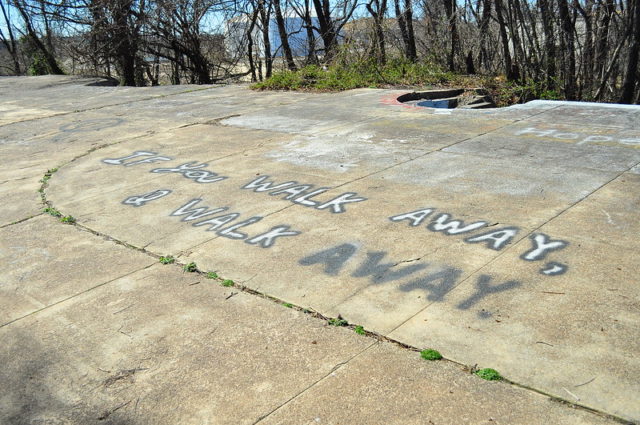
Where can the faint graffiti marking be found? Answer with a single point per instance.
(581, 138)
(91, 125)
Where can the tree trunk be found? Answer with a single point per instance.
(405, 23)
(284, 37)
(252, 65)
(312, 58)
(483, 58)
(570, 63)
(264, 19)
(505, 43)
(52, 64)
(327, 28)
(377, 14)
(10, 44)
(631, 78)
(450, 9)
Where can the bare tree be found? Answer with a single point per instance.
(9, 39)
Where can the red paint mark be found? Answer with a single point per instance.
(391, 99)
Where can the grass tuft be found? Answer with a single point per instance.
(489, 374)
(430, 354)
(168, 259)
(53, 212)
(337, 321)
(190, 268)
(68, 219)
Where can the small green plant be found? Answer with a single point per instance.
(38, 66)
(227, 283)
(167, 259)
(212, 275)
(190, 268)
(359, 330)
(430, 354)
(47, 175)
(53, 212)
(489, 374)
(288, 305)
(338, 321)
(68, 219)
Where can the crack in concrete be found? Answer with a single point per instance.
(74, 296)
(315, 383)
(22, 220)
(97, 108)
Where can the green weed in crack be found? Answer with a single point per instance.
(337, 321)
(47, 175)
(68, 219)
(168, 259)
(430, 354)
(190, 268)
(489, 374)
(52, 212)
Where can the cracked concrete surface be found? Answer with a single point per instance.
(501, 238)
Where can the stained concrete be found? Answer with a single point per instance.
(87, 305)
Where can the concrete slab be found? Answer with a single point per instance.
(48, 262)
(591, 114)
(20, 199)
(161, 346)
(58, 94)
(611, 215)
(511, 235)
(559, 145)
(554, 333)
(383, 385)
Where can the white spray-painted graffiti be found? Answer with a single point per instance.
(140, 200)
(435, 279)
(495, 239)
(215, 223)
(191, 170)
(581, 138)
(301, 194)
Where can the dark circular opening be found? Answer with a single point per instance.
(449, 99)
